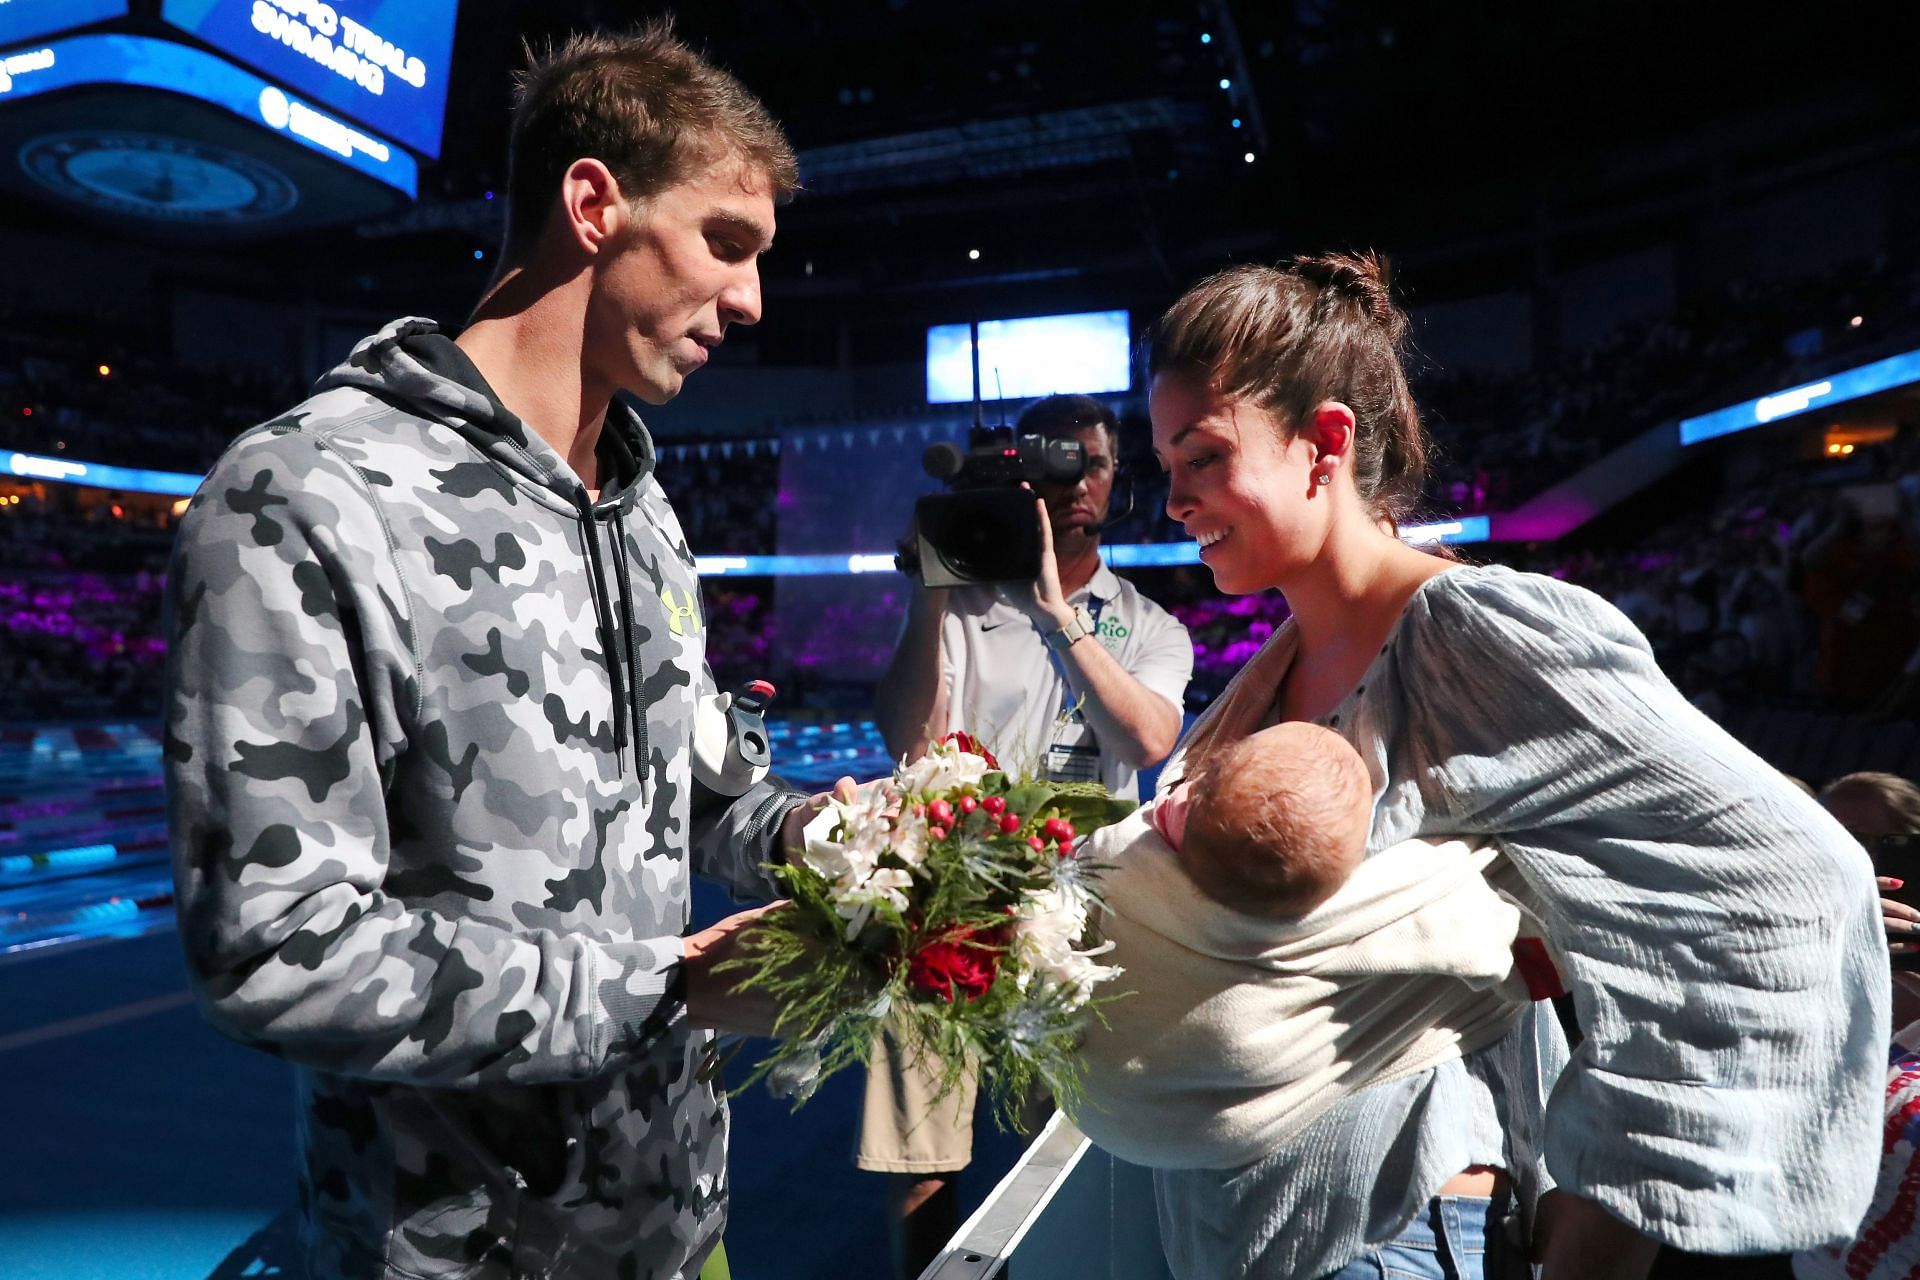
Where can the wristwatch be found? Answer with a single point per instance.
(1081, 625)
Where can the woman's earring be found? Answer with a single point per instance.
(1323, 477)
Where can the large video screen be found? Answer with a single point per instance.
(31, 19)
(1089, 353)
(382, 62)
(141, 61)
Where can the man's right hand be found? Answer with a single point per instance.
(714, 1000)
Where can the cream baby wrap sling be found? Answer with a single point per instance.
(1238, 1031)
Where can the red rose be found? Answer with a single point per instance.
(960, 962)
(971, 745)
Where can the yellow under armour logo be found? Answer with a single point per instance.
(682, 618)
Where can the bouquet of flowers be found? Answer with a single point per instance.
(949, 903)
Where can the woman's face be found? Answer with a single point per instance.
(1237, 486)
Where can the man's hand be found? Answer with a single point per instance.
(1575, 1239)
(1042, 600)
(714, 999)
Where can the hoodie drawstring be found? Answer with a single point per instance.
(610, 643)
(639, 715)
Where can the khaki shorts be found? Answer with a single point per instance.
(900, 1129)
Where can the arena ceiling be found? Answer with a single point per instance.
(1090, 146)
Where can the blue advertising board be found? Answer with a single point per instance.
(32, 19)
(33, 466)
(383, 63)
(1829, 392)
(160, 64)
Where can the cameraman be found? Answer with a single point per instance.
(1076, 676)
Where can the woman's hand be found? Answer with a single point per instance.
(1902, 921)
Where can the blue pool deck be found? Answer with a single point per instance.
(137, 1144)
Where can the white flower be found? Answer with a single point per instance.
(889, 885)
(1046, 935)
(1051, 921)
(844, 844)
(944, 767)
(845, 840)
(1078, 883)
(910, 839)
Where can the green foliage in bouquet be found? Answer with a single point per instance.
(947, 904)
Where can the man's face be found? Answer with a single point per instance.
(1083, 506)
(686, 267)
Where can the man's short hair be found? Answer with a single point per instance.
(1065, 416)
(642, 103)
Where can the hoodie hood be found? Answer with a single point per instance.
(413, 365)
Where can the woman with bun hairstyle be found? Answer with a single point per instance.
(1720, 931)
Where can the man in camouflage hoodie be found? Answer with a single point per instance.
(436, 640)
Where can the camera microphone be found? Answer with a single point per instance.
(943, 460)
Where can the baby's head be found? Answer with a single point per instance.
(1278, 821)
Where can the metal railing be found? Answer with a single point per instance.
(1066, 1211)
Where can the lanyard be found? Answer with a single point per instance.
(1068, 699)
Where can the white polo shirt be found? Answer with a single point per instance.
(1004, 688)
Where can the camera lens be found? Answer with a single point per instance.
(1065, 461)
(974, 550)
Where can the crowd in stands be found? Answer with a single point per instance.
(90, 388)
(1789, 591)
(1501, 440)
(726, 497)
(80, 592)
(1802, 587)
(1799, 590)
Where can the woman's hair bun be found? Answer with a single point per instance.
(1364, 278)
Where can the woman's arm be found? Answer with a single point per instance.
(1723, 942)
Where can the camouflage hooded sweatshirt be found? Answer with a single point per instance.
(429, 784)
